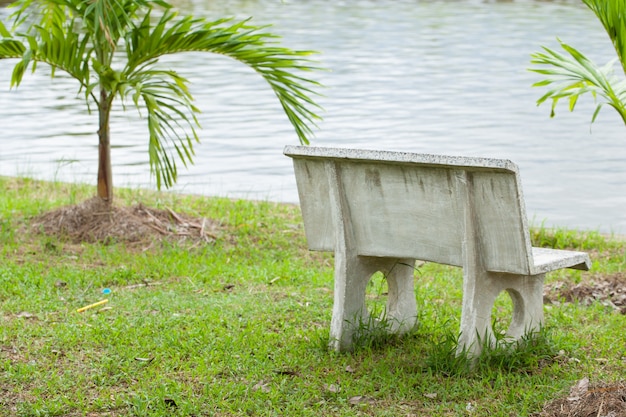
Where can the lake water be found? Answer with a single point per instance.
(444, 77)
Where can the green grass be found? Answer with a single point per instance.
(239, 327)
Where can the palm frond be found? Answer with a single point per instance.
(60, 48)
(571, 75)
(171, 119)
(612, 15)
(279, 66)
(42, 12)
(9, 46)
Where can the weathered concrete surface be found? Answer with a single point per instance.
(379, 211)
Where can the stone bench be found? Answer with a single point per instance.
(382, 211)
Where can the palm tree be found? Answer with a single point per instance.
(572, 74)
(112, 48)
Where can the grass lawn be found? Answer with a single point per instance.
(239, 326)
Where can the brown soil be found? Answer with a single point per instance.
(601, 400)
(609, 290)
(95, 221)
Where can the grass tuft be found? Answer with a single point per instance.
(561, 238)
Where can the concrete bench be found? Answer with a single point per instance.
(382, 211)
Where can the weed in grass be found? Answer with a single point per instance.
(442, 356)
(373, 332)
(375, 328)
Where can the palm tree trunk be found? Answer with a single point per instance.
(105, 175)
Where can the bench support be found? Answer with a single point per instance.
(353, 272)
(479, 295)
(481, 287)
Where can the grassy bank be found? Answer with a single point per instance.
(239, 326)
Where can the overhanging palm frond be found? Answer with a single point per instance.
(241, 41)
(571, 75)
(612, 15)
(171, 120)
(10, 47)
(58, 47)
(42, 12)
(246, 43)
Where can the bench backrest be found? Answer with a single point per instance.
(419, 206)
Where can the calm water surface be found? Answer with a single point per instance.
(446, 77)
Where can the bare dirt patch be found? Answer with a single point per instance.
(95, 221)
(610, 290)
(584, 400)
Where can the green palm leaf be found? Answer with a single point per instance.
(612, 15)
(571, 75)
(147, 42)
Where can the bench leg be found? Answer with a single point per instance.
(352, 273)
(401, 304)
(527, 295)
(479, 296)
